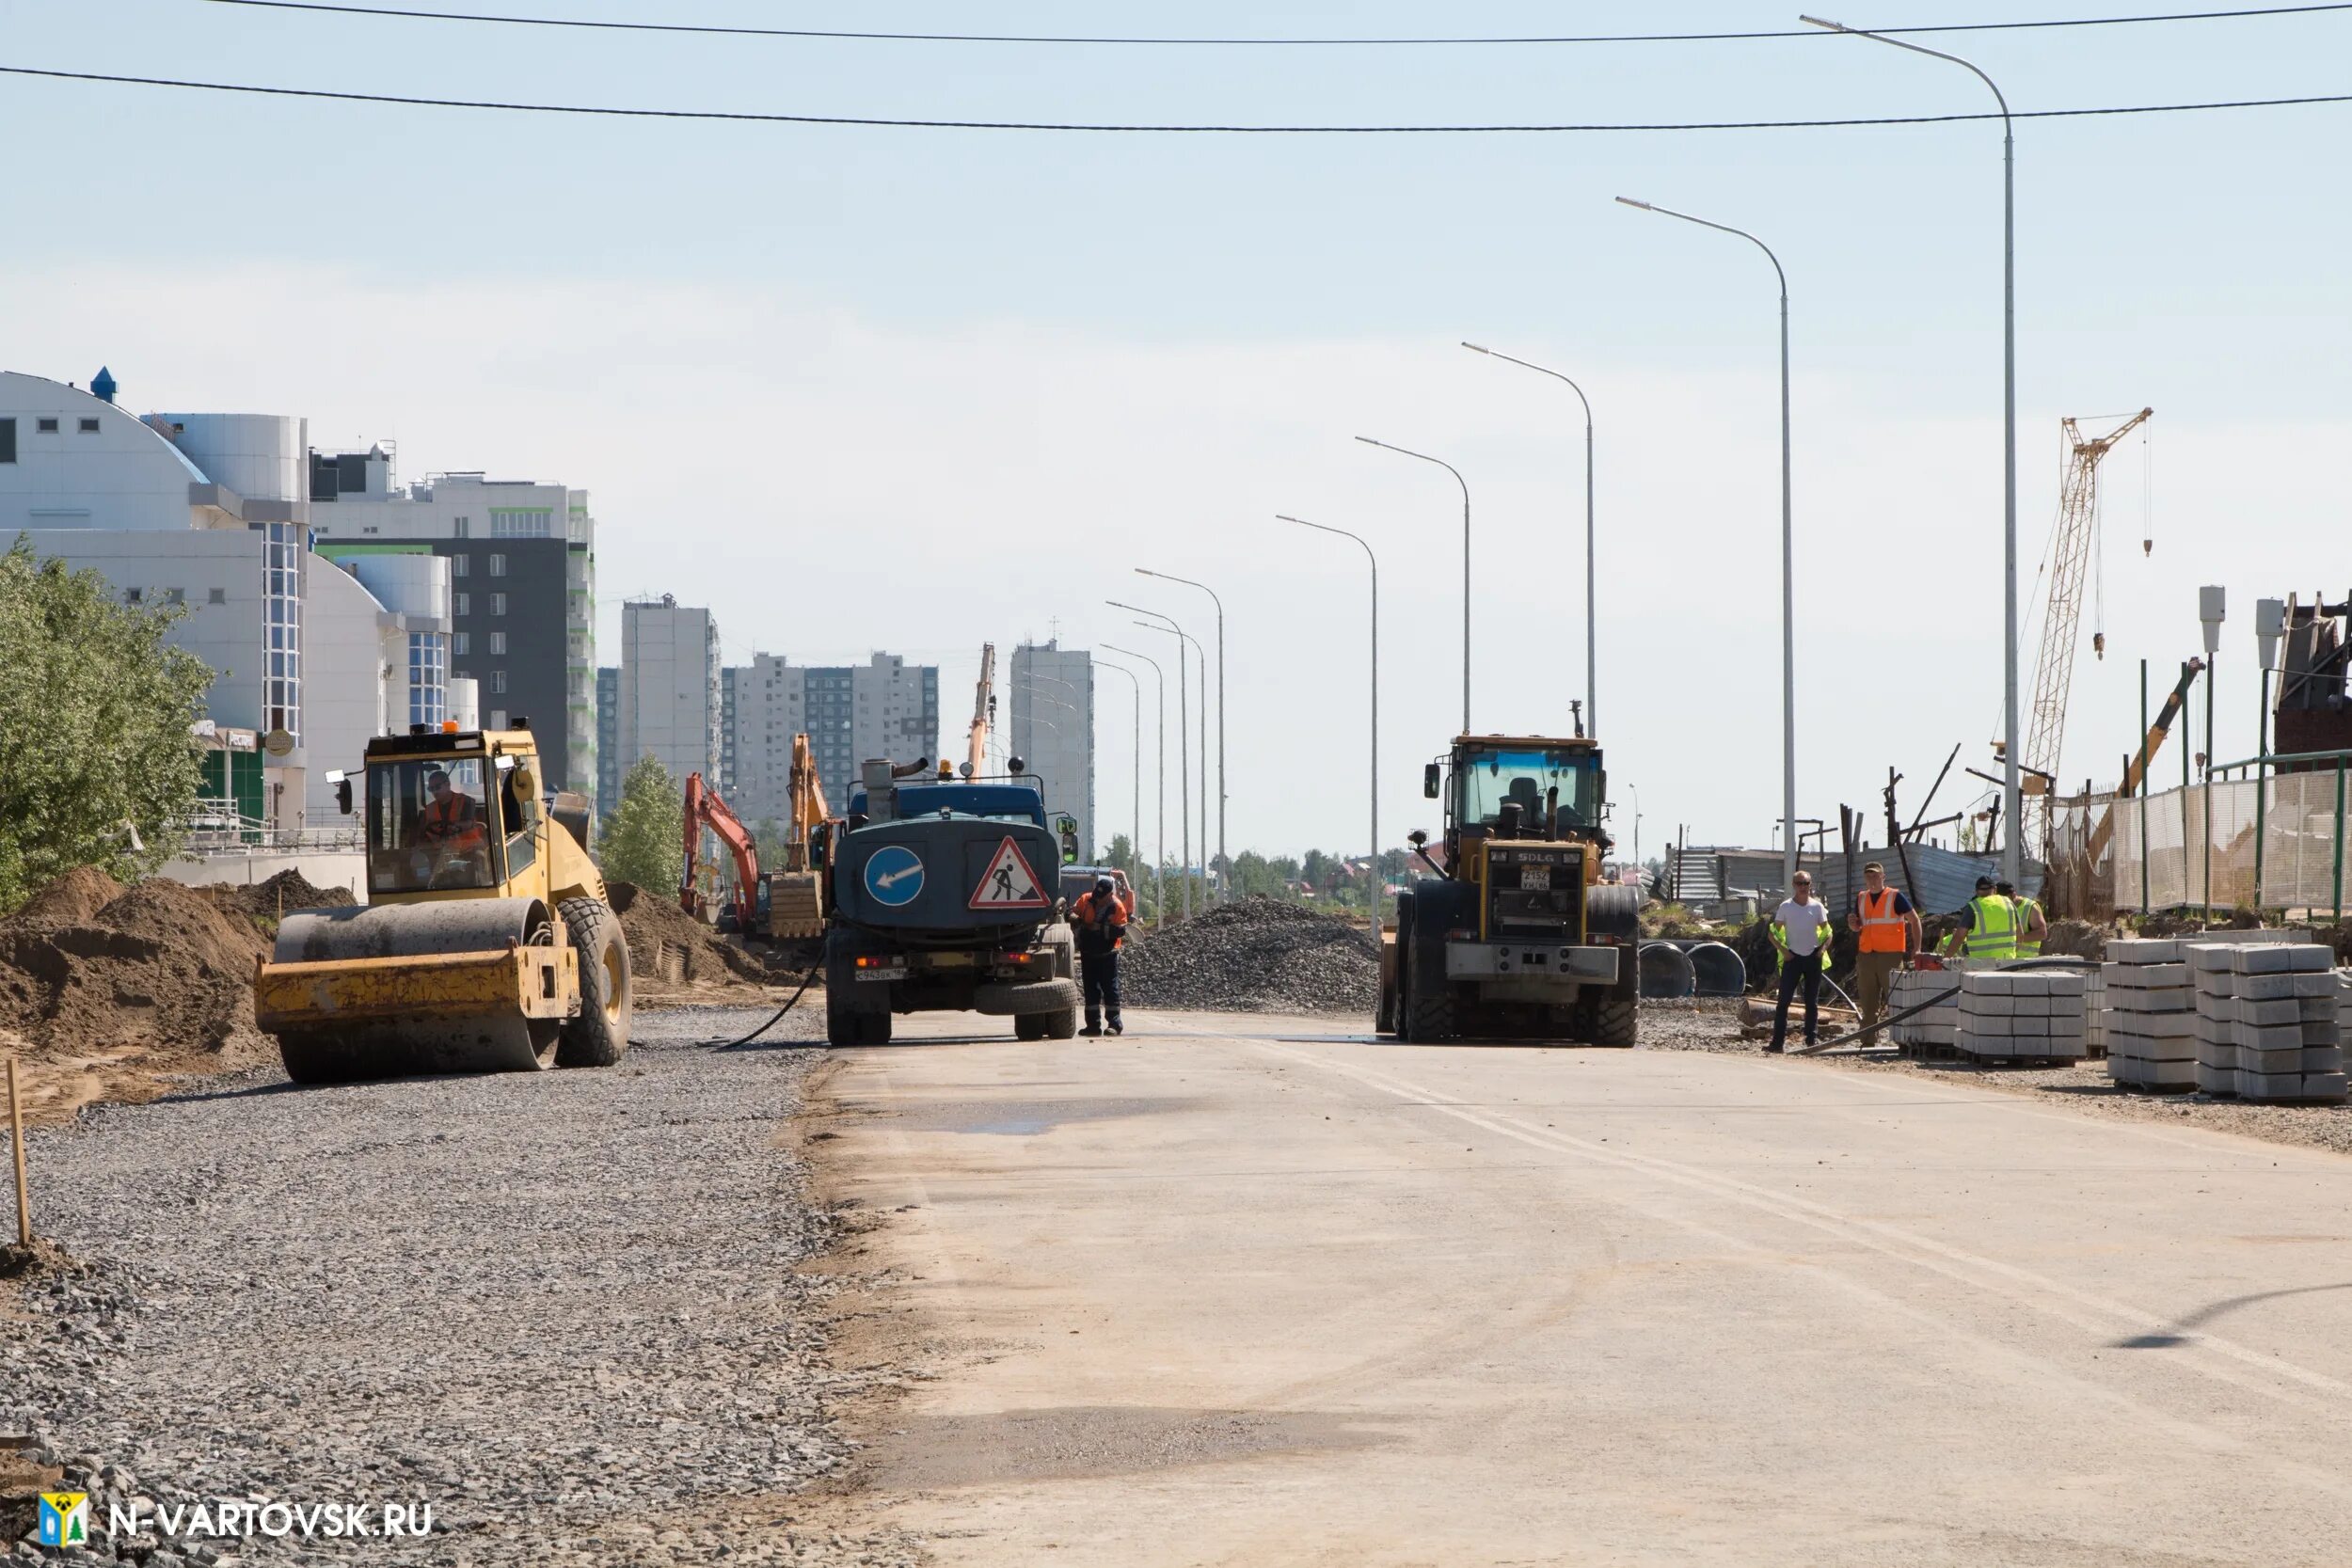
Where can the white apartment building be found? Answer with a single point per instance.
(209, 513)
(521, 557)
(1053, 730)
(669, 699)
(885, 707)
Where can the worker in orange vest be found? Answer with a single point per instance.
(1887, 927)
(1099, 920)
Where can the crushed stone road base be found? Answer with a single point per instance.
(566, 1309)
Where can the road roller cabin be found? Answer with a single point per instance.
(488, 943)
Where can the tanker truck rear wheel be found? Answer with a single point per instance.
(607, 999)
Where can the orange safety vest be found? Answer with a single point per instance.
(1881, 927)
(1086, 915)
(453, 820)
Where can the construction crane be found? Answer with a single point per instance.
(2072, 542)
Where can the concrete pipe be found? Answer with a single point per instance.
(1665, 970)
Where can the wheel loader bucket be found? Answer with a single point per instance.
(479, 985)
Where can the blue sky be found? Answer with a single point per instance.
(1017, 364)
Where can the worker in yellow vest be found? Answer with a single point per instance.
(2033, 926)
(1988, 925)
(1886, 930)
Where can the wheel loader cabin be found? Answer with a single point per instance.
(480, 766)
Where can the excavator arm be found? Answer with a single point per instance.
(805, 801)
(2135, 771)
(705, 809)
(983, 702)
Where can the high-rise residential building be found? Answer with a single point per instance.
(210, 513)
(1053, 730)
(669, 704)
(522, 567)
(608, 738)
(727, 673)
(885, 707)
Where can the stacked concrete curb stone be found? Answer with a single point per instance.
(1936, 1032)
(2150, 1014)
(2267, 1021)
(2013, 1016)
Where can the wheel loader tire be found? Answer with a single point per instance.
(1616, 1021)
(608, 996)
(1431, 1016)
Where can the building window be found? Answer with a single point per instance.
(175, 596)
(46, 427)
(498, 565)
(89, 427)
(217, 595)
(465, 643)
(460, 565)
(497, 604)
(465, 604)
(7, 440)
(462, 528)
(135, 596)
(498, 685)
(366, 530)
(497, 642)
(522, 522)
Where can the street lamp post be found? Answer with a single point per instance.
(1376, 877)
(2010, 791)
(1788, 565)
(1159, 741)
(1466, 561)
(1222, 891)
(1201, 715)
(1183, 748)
(1136, 844)
(1592, 597)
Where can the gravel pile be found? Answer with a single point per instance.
(1255, 955)
(563, 1308)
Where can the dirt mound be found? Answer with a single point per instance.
(1255, 955)
(155, 980)
(668, 947)
(2077, 939)
(76, 896)
(266, 899)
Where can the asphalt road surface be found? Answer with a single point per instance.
(1249, 1290)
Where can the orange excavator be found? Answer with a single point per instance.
(786, 906)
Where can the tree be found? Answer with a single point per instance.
(644, 844)
(96, 710)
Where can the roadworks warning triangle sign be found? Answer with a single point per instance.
(1008, 883)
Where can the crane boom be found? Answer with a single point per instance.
(983, 702)
(2071, 542)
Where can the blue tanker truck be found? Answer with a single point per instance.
(943, 893)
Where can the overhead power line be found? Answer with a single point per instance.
(588, 24)
(749, 117)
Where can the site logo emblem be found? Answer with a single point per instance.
(64, 1519)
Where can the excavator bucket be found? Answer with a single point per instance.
(794, 911)
(475, 985)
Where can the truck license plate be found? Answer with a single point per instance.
(1535, 878)
(882, 974)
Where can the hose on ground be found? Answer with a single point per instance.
(805, 978)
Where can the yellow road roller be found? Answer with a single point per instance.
(488, 943)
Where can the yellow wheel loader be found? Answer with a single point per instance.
(488, 943)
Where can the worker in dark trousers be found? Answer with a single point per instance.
(1800, 930)
(1100, 919)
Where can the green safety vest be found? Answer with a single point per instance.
(2026, 947)
(1994, 935)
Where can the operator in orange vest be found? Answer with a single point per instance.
(1888, 929)
(1099, 920)
(451, 820)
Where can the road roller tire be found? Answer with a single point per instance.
(599, 1035)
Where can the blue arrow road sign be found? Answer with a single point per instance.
(894, 875)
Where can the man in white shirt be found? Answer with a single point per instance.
(1801, 929)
